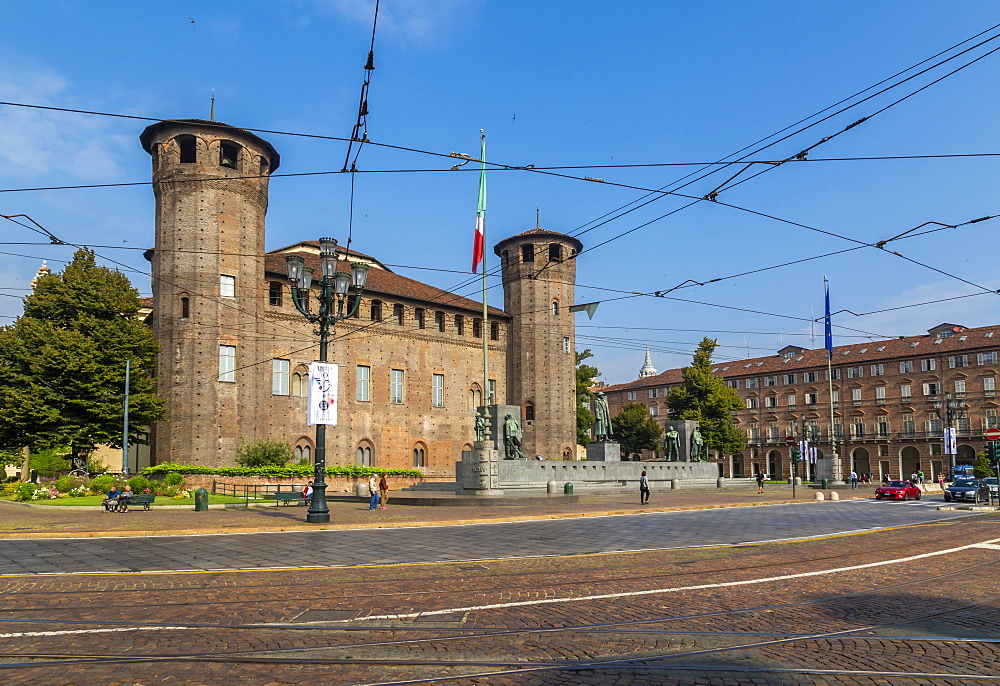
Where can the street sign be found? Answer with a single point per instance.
(993, 434)
(791, 440)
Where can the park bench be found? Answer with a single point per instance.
(286, 497)
(143, 499)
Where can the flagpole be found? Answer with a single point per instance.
(835, 472)
(482, 212)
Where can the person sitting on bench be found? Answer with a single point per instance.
(124, 499)
(111, 501)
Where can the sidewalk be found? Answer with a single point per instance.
(17, 521)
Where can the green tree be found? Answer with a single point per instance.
(705, 398)
(585, 376)
(62, 363)
(981, 468)
(635, 430)
(264, 453)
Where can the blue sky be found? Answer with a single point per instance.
(553, 83)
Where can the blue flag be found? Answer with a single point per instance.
(827, 328)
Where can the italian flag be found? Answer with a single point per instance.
(477, 245)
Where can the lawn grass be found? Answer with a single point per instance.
(96, 500)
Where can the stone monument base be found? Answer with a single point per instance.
(604, 451)
(479, 471)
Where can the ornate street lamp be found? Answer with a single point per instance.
(334, 300)
(950, 406)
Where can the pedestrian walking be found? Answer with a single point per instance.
(373, 490)
(920, 476)
(643, 488)
(760, 481)
(941, 480)
(383, 491)
(885, 478)
(854, 480)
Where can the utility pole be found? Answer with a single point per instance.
(128, 369)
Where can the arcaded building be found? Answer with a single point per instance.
(235, 350)
(892, 400)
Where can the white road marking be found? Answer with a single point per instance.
(631, 594)
(31, 634)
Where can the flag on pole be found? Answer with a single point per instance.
(477, 245)
(827, 327)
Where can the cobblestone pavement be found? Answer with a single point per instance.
(657, 530)
(912, 604)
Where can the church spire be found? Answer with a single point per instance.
(42, 271)
(647, 367)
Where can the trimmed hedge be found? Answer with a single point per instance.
(289, 471)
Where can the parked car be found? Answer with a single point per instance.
(994, 485)
(897, 490)
(972, 490)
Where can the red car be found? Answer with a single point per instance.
(897, 490)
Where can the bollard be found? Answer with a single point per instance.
(798, 481)
(675, 483)
(568, 488)
(551, 487)
(720, 482)
(201, 500)
(819, 495)
(825, 483)
(361, 490)
(834, 495)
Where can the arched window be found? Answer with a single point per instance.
(529, 412)
(555, 308)
(229, 155)
(527, 253)
(264, 168)
(555, 252)
(459, 325)
(419, 456)
(494, 331)
(477, 328)
(185, 307)
(475, 397)
(376, 310)
(364, 454)
(189, 149)
(398, 314)
(274, 289)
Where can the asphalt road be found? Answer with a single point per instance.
(335, 548)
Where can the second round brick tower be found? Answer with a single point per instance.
(539, 274)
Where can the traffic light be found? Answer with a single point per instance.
(993, 451)
(796, 453)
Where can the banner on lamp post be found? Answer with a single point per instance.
(950, 441)
(323, 393)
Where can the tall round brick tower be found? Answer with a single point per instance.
(539, 273)
(210, 182)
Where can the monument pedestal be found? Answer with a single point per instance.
(604, 451)
(684, 429)
(828, 467)
(479, 471)
(497, 415)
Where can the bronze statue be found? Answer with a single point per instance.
(512, 439)
(697, 445)
(482, 428)
(602, 419)
(671, 445)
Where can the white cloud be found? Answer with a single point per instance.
(39, 144)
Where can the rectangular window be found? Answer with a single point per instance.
(958, 361)
(987, 358)
(960, 386)
(811, 398)
(566, 345)
(789, 379)
(931, 389)
(906, 367)
(654, 411)
(651, 392)
(858, 429)
(810, 377)
(880, 395)
(437, 390)
(771, 401)
(279, 377)
(791, 401)
(363, 383)
(836, 374)
(991, 420)
(227, 286)
(751, 383)
(855, 372)
(439, 321)
(904, 392)
(928, 365)
(754, 434)
(883, 428)
(493, 391)
(274, 294)
(989, 385)
(878, 370)
(735, 383)
(477, 328)
(909, 426)
(630, 395)
(227, 363)
(770, 381)
(751, 403)
(856, 396)
(396, 387)
(418, 317)
(836, 397)
(494, 331)
(459, 325)
(398, 314)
